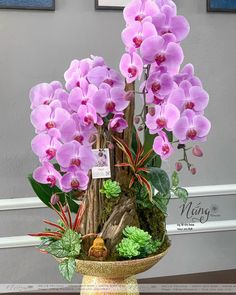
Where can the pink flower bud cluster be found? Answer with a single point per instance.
(65, 120)
(176, 97)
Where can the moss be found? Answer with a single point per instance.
(153, 220)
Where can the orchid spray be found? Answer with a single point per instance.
(95, 110)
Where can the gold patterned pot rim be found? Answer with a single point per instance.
(117, 269)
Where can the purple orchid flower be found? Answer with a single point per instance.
(45, 146)
(77, 71)
(189, 97)
(158, 86)
(97, 61)
(103, 74)
(162, 146)
(154, 49)
(47, 174)
(88, 116)
(45, 118)
(167, 22)
(138, 10)
(170, 3)
(192, 127)
(43, 93)
(131, 66)
(187, 73)
(110, 100)
(74, 180)
(118, 123)
(163, 116)
(74, 130)
(134, 34)
(74, 154)
(81, 95)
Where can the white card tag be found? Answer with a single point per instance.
(102, 168)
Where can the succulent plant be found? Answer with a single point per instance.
(128, 248)
(137, 235)
(137, 243)
(111, 189)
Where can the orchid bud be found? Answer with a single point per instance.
(92, 138)
(197, 151)
(111, 146)
(178, 166)
(54, 199)
(136, 120)
(140, 128)
(193, 170)
(151, 111)
(129, 95)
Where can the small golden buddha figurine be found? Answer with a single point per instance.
(98, 250)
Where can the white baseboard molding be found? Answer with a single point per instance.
(194, 191)
(172, 229)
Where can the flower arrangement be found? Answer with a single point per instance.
(122, 217)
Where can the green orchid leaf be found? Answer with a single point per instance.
(181, 193)
(175, 179)
(159, 179)
(161, 202)
(67, 268)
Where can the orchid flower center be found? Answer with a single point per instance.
(139, 17)
(110, 106)
(132, 71)
(156, 100)
(50, 125)
(75, 162)
(47, 101)
(52, 180)
(78, 83)
(75, 184)
(160, 58)
(117, 125)
(161, 122)
(92, 138)
(165, 149)
(189, 105)
(79, 138)
(51, 153)
(167, 31)
(109, 82)
(88, 119)
(137, 41)
(156, 87)
(192, 133)
(84, 101)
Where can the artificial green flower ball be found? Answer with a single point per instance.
(128, 248)
(137, 235)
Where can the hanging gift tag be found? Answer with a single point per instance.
(102, 169)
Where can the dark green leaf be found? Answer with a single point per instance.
(169, 135)
(181, 193)
(175, 179)
(161, 202)
(67, 268)
(148, 140)
(44, 192)
(58, 249)
(134, 144)
(159, 180)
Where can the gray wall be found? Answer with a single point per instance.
(37, 47)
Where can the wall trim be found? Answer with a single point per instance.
(172, 229)
(194, 192)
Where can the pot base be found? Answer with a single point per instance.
(110, 286)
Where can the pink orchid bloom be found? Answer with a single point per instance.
(162, 146)
(45, 146)
(45, 118)
(192, 127)
(47, 174)
(164, 116)
(131, 66)
(118, 123)
(74, 180)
